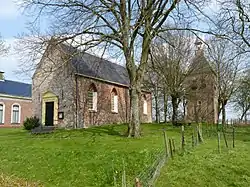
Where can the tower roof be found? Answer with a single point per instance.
(200, 64)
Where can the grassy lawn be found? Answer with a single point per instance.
(94, 156)
(79, 157)
(203, 166)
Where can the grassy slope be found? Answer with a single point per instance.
(203, 166)
(79, 158)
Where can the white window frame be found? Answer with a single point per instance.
(94, 106)
(3, 112)
(19, 115)
(115, 100)
(145, 106)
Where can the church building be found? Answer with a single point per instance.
(74, 89)
(201, 89)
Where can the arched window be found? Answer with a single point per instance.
(145, 105)
(92, 98)
(16, 113)
(114, 101)
(2, 107)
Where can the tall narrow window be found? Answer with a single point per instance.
(15, 113)
(114, 101)
(145, 105)
(1, 113)
(92, 98)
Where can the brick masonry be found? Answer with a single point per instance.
(54, 74)
(104, 115)
(26, 110)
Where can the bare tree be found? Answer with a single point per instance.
(242, 97)
(126, 26)
(170, 57)
(234, 19)
(3, 47)
(226, 63)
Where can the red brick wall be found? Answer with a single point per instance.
(104, 115)
(26, 110)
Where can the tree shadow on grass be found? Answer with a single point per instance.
(108, 130)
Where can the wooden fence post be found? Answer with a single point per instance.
(224, 135)
(218, 133)
(182, 138)
(193, 139)
(200, 137)
(165, 142)
(124, 182)
(197, 135)
(171, 149)
(173, 145)
(137, 183)
(233, 137)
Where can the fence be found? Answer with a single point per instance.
(148, 177)
(188, 141)
(189, 138)
(236, 122)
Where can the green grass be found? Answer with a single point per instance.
(94, 156)
(203, 166)
(80, 157)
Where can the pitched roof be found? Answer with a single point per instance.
(96, 67)
(13, 88)
(200, 64)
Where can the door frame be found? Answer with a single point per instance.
(50, 97)
(46, 112)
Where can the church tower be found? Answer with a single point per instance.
(201, 89)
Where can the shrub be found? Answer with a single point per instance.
(31, 123)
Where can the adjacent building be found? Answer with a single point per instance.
(74, 89)
(15, 102)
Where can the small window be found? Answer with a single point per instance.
(199, 103)
(92, 98)
(1, 113)
(15, 113)
(145, 105)
(194, 87)
(114, 101)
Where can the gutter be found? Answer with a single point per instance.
(15, 97)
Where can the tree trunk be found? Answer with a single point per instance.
(134, 125)
(184, 109)
(175, 107)
(218, 114)
(165, 107)
(223, 113)
(156, 108)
